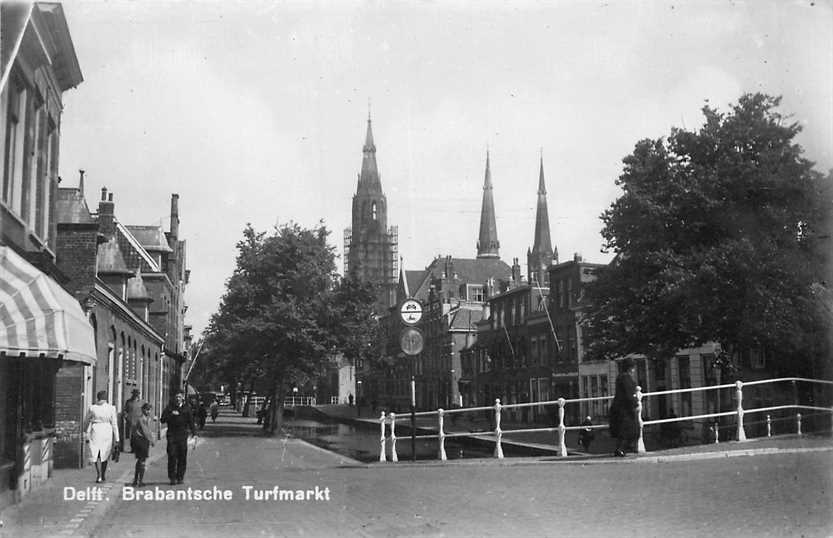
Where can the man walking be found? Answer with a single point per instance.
(132, 413)
(180, 421)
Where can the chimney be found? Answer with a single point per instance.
(577, 257)
(516, 272)
(174, 217)
(106, 220)
(81, 182)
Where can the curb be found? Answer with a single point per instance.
(596, 460)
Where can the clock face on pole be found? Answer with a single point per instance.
(411, 312)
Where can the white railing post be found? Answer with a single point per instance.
(640, 442)
(768, 425)
(798, 423)
(393, 455)
(442, 433)
(498, 431)
(739, 391)
(382, 437)
(562, 429)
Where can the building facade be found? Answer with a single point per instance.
(46, 340)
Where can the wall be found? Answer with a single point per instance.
(69, 415)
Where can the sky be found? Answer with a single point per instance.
(255, 112)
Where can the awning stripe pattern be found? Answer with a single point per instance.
(37, 316)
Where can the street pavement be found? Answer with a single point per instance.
(774, 487)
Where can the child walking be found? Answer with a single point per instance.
(141, 440)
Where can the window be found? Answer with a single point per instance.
(373, 210)
(561, 293)
(13, 174)
(40, 179)
(475, 293)
(570, 292)
(757, 358)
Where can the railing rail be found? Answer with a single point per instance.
(298, 401)
(496, 433)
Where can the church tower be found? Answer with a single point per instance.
(370, 247)
(487, 244)
(541, 255)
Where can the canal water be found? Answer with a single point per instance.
(363, 444)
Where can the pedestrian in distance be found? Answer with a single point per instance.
(350, 399)
(140, 443)
(180, 420)
(586, 435)
(102, 434)
(623, 422)
(202, 413)
(215, 410)
(132, 412)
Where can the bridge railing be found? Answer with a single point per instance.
(790, 412)
(298, 401)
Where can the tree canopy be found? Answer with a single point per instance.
(720, 235)
(285, 312)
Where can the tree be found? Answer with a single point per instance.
(283, 313)
(719, 236)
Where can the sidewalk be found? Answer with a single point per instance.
(50, 509)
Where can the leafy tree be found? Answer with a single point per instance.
(284, 312)
(721, 235)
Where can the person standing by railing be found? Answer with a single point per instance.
(623, 423)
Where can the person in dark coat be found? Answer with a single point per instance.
(623, 422)
(202, 413)
(180, 421)
(586, 435)
(132, 413)
(140, 442)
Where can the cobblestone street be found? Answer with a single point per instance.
(779, 492)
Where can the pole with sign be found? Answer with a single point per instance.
(411, 341)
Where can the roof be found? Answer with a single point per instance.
(461, 270)
(71, 207)
(110, 260)
(136, 290)
(152, 238)
(464, 318)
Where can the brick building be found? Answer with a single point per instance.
(122, 275)
(46, 341)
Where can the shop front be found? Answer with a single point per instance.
(43, 331)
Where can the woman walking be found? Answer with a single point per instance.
(102, 434)
(140, 442)
(623, 423)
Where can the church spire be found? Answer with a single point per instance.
(369, 177)
(541, 255)
(487, 243)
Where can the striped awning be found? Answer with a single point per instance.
(38, 318)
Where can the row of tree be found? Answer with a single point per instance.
(721, 235)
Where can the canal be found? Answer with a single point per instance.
(363, 444)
